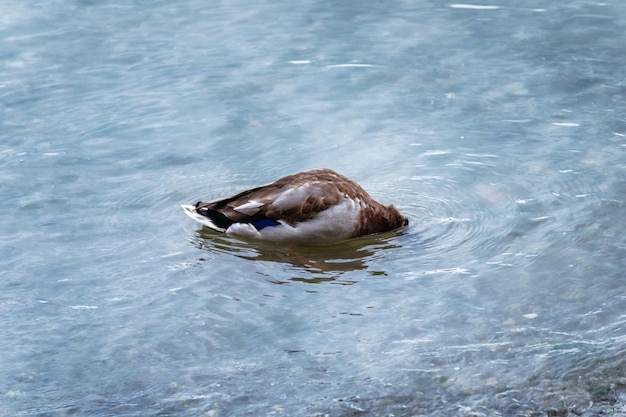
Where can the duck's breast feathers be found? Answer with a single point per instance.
(376, 218)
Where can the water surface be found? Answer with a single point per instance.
(498, 129)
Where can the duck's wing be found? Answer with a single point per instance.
(283, 201)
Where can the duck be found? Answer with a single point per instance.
(314, 207)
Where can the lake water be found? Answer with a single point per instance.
(498, 128)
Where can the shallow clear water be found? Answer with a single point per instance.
(499, 131)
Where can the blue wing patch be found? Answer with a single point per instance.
(261, 224)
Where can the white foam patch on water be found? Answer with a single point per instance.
(473, 6)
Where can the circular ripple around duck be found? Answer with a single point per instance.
(461, 222)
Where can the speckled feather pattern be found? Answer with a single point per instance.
(306, 206)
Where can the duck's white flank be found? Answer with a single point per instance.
(311, 207)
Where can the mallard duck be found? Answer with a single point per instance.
(312, 207)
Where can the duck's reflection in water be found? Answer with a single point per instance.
(311, 264)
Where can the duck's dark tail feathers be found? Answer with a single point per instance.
(210, 218)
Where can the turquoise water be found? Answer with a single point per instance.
(499, 131)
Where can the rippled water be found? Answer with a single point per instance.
(498, 129)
